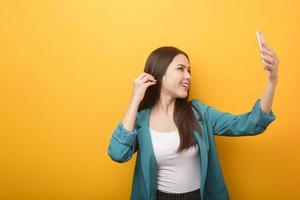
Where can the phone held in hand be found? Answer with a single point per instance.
(260, 38)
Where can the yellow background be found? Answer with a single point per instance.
(66, 77)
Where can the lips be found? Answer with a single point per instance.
(186, 85)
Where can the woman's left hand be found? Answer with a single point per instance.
(270, 62)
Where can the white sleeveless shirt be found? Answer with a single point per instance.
(177, 172)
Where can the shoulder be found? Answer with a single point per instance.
(199, 104)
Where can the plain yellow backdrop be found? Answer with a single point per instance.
(66, 77)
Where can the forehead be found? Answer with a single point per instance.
(180, 59)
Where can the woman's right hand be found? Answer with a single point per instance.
(141, 83)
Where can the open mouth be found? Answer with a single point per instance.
(185, 86)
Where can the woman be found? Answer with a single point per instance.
(173, 137)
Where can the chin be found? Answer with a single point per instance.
(182, 96)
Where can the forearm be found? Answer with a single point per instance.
(267, 98)
(130, 115)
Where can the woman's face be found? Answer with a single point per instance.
(177, 79)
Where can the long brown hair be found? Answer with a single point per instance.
(156, 65)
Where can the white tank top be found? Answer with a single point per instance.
(177, 172)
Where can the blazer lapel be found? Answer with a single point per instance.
(203, 146)
(148, 160)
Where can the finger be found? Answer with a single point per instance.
(267, 59)
(150, 83)
(269, 47)
(268, 69)
(266, 51)
(274, 53)
(148, 78)
(270, 58)
(142, 75)
(149, 75)
(269, 50)
(269, 66)
(264, 45)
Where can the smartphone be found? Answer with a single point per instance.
(260, 38)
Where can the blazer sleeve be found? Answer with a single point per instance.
(251, 123)
(123, 144)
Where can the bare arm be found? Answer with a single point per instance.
(123, 143)
(130, 116)
(270, 62)
(141, 83)
(267, 98)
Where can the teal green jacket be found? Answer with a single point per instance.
(123, 144)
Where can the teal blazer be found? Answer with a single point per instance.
(123, 144)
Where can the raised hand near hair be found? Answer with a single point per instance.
(141, 83)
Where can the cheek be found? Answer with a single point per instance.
(175, 77)
(172, 80)
(169, 84)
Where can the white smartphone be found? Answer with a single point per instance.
(260, 38)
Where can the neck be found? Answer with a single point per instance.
(165, 105)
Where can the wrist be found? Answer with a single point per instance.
(273, 81)
(135, 101)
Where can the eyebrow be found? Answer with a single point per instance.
(183, 66)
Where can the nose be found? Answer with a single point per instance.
(188, 75)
